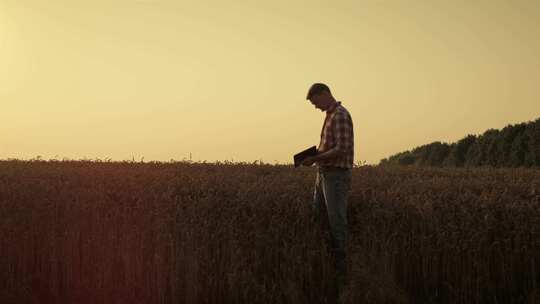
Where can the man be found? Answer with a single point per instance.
(334, 159)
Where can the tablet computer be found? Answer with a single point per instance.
(299, 157)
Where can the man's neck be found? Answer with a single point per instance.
(332, 107)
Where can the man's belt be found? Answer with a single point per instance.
(332, 168)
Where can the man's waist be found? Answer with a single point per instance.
(324, 168)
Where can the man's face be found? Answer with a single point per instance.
(320, 101)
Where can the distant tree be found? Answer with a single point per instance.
(401, 158)
(475, 154)
(431, 154)
(533, 150)
(491, 143)
(518, 150)
(528, 157)
(458, 152)
(506, 142)
(438, 152)
(406, 159)
(450, 160)
(513, 146)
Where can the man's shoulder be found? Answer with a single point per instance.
(342, 111)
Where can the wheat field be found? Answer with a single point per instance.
(184, 232)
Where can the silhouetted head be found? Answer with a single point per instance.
(320, 96)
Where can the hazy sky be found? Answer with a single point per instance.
(226, 80)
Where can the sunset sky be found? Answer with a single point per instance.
(227, 80)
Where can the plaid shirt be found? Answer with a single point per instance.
(337, 132)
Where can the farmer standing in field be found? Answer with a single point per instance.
(334, 159)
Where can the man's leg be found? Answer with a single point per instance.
(318, 198)
(336, 186)
(320, 216)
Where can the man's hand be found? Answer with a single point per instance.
(329, 154)
(309, 161)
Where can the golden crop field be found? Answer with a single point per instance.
(182, 232)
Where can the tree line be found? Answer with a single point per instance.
(514, 146)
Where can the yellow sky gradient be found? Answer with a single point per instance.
(226, 80)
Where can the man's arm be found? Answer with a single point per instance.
(334, 152)
(343, 134)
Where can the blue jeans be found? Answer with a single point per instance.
(332, 187)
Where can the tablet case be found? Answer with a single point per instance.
(299, 157)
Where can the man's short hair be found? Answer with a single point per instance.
(317, 88)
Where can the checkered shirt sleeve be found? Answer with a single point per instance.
(343, 131)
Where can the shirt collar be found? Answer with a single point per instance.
(333, 107)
